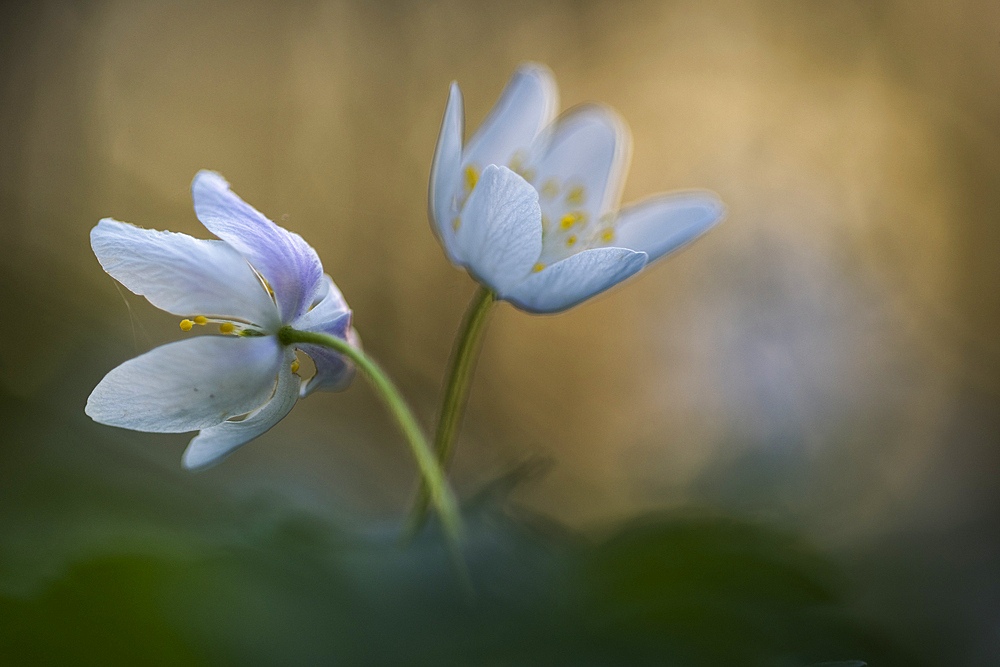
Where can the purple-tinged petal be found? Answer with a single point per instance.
(527, 104)
(183, 275)
(333, 372)
(330, 307)
(188, 384)
(446, 174)
(663, 223)
(575, 279)
(214, 444)
(500, 233)
(330, 316)
(289, 264)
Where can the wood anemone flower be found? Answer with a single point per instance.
(530, 204)
(255, 281)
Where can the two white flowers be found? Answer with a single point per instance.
(529, 206)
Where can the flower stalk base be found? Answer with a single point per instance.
(456, 394)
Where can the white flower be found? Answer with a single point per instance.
(530, 204)
(256, 280)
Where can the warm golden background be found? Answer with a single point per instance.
(826, 361)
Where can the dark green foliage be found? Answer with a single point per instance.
(106, 560)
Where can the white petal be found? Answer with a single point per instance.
(527, 104)
(215, 443)
(188, 385)
(588, 147)
(663, 223)
(501, 229)
(290, 264)
(575, 279)
(181, 274)
(446, 173)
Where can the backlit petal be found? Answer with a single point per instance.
(585, 156)
(501, 231)
(575, 279)
(527, 104)
(217, 442)
(446, 173)
(183, 275)
(663, 223)
(188, 385)
(289, 264)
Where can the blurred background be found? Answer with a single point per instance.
(778, 447)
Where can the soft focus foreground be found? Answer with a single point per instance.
(776, 448)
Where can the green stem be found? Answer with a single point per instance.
(456, 394)
(432, 474)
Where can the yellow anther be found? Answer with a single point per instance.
(608, 235)
(201, 320)
(576, 195)
(550, 188)
(571, 241)
(537, 267)
(186, 325)
(456, 223)
(295, 366)
(571, 219)
(226, 327)
(471, 177)
(528, 175)
(516, 162)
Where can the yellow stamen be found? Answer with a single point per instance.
(201, 320)
(186, 325)
(264, 282)
(295, 366)
(538, 267)
(572, 218)
(570, 242)
(550, 188)
(528, 175)
(226, 327)
(576, 195)
(456, 223)
(608, 235)
(471, 177)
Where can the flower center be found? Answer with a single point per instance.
(569, 220)
(569, 225)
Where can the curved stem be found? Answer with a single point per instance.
(432, 474)
(456, 393)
